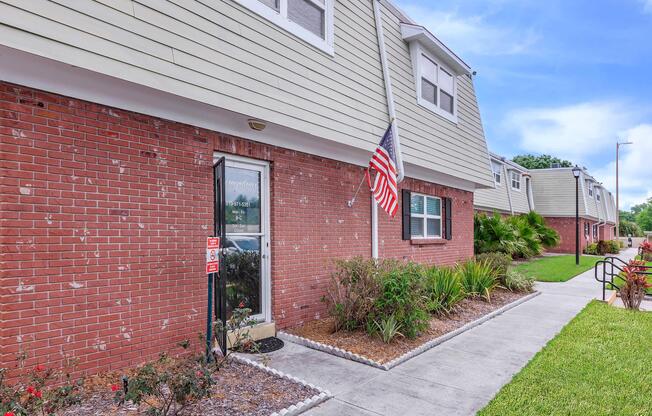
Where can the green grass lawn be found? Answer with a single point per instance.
(556, 268)
(600, 364)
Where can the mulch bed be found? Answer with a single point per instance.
(359, 342)
(240, 390)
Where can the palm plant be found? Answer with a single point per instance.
(492, 233)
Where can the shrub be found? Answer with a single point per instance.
(388, 328)
(646, 250)
(518, 282)
(353, 290)
(478, 279)
(500, 262)
(39, 391)
(519, 236)
(168, 386)
(402, 295)
(591, 249)
(493, 234)
(613, 246)
(635, 285)
(443, 290)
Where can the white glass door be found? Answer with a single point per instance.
(246, 257)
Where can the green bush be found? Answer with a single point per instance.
(500, 262)
(352, 292)
(603, 247)
(518, 282)
(521, 236)
(478, 279)
(591, 249)
(613, 246)
(402, 295)
(443, 290)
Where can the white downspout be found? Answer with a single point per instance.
(508, 188)
(392, 117)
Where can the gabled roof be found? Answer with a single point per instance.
(412, 32)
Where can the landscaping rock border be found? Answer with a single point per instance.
(410, 354)
(296, 408)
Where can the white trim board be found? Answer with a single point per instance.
(30, 70)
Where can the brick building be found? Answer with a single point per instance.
(113, 115)
(554, 198)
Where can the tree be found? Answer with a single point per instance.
(530, 161)
(627, 216)
(644, 217)
(628, 228)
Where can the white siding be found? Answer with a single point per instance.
(554, 193)
(220, 53)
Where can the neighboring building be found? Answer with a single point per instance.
(512, 192)
(554, 197)
(113, 112)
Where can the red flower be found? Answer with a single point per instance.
(40, 368)
(31, 389)
(10, 414)
(115, 387)
(241, 305)
(200, 374)
(38, 394)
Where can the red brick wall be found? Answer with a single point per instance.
(104, 219)
(607, 232)
(566, 229)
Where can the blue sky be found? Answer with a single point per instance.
(562, 77)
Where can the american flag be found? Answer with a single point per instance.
(383, 161)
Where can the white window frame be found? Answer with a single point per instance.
(499, 172)
(590, 188)
(280, 18)
(416, 50)
(597, 195)
(425, 216)
(515, 179)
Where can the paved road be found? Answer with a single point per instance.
(458, 377)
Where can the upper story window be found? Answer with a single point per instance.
(437, 87)
(436, 70)
(590, 188)
(597, 195)
(516, 181)
(310, 20)
(425, 216)
(497, 169)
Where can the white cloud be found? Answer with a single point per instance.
(635, 171)
(575, 132)
(647, 6)
(472, 34)
(586, 134)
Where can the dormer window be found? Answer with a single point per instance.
(437, 85)
(310, 20)
(497, 169)
(516, 181)
(436, 70)
(597, 195)
(590, 188)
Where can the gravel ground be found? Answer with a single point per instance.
(359, 342)
(240, 390)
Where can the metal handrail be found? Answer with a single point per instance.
(609, 261)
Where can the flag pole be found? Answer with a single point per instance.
(352, 201)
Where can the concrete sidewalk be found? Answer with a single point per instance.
(458, 377)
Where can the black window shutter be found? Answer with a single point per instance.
(405, 205)
(448, 213)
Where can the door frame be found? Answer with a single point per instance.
(265, 262)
